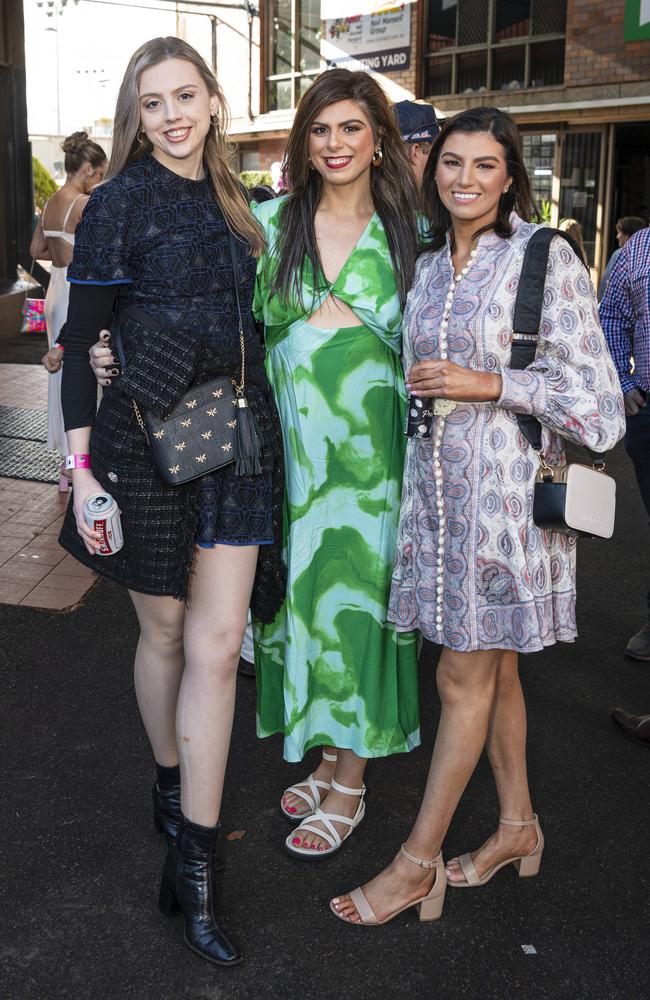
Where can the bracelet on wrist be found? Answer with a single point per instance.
(77, 462)
(59, 347)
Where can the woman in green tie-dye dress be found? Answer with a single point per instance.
(331, 671)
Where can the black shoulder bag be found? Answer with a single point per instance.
(210, 426)
(577, 500)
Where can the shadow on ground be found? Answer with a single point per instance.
(82, 860)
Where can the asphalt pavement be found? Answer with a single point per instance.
(81, 859)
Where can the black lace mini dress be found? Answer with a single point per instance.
(160, 242)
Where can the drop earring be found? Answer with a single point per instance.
(378, 157)
(214, 120)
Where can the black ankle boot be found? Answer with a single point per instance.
(188, 885)
(166, 810)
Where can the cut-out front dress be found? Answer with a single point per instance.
(331, 670)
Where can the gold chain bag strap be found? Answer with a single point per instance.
(210, 426)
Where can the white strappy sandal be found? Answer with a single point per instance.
(311, 794)
(327, 830)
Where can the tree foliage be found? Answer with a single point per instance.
(44, 184)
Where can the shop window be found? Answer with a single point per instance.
(579, 184)
(442, 24)
(509, 68)
(293, 46)
(493, 45)
(512, 19)
(539, 157)
(547, 64)
(472, 72)
(438, 78)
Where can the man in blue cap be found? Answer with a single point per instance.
(418, 127)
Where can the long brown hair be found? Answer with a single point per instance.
(392, 185)
(127, 148)
(518, 198)
(79, 149)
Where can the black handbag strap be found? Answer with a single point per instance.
(528, 317)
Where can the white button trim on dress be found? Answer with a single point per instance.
(437, 441)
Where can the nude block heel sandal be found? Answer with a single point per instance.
(311, 794)
(526, 864)
(430, 907)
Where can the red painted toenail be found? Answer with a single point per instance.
(296, 840)
(291, 809)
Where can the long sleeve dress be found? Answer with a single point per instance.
(330, 669)
(159, 241)
(492, 579)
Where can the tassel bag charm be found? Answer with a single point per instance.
(247, 433)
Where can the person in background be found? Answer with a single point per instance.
(261, 193)
(418, 128)
(625, 227)
(573, 229)
(625, 315)
(53, 239)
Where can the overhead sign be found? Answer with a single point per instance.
(637, 20)
(375, 36)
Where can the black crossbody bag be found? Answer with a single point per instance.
(574, 499)
(210, 426)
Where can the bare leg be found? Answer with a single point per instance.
(349, 771)
(214, 627)
(158, 670)
(466, 685)
(506, 750)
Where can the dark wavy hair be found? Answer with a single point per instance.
(392, 185)
(519, 196)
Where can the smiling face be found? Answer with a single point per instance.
(175, 109)
(471, 176)
(341, 143)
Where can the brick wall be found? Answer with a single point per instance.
(596, 51)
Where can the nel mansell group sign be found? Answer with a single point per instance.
(366, 33)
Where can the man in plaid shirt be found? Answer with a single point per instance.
(625, 316)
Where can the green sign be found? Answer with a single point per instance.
(637, 20)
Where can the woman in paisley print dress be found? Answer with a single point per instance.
(472, 571)
(341, 249)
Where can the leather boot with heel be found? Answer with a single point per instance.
(188, 887)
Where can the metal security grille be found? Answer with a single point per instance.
(493, 45)
(549, 17)
(472, 22)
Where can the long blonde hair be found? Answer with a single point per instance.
(127, 147)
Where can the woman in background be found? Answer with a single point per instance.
(85, 166)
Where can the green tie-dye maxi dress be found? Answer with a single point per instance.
(330, 669)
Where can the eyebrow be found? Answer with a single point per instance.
(178, 90)
(477, 159)
(348, 121)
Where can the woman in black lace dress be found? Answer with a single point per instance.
(156, 236)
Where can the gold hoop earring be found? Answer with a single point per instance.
(139, 135)
(378, 157)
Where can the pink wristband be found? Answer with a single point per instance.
(77, 462)
(59, 347)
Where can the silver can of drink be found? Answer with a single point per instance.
(103, 516)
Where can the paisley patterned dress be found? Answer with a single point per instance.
(330, 670)
(492, 579)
